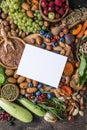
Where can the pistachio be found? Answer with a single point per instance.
(75, 112)
(81, 113)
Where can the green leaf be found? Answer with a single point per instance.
(82, 65)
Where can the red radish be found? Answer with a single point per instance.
(61, 11)
(51, 4)
(44, 4)
(58, 3)
(45, 12)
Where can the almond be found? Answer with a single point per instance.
(25, 6)
(9, 72)
(20, 79)
(11, 80)
(28, 80)
(15, 75)
(30, 14)
(22, 91)
(24, 85)
(31, 90)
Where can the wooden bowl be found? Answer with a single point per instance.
(2, 42)
(77, 53)
(10, 92)
(55, 20)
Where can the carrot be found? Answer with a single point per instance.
(66, 90)
(83, 30)
(77, 30)
(68, 70)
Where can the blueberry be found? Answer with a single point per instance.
(49, 95)
(38, 93)
(42, 32)
(48, 35)
(62, 39)
(43, 45)
(54, 44)
(40, 85)
(20, 96)
(30, 84)
(45, 34)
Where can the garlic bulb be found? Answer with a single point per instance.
(50, 117)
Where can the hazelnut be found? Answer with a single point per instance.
(7, 28)
(3, 15)
(13, 26)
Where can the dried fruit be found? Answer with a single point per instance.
(69, 69)
(30, 14)
(25, 6)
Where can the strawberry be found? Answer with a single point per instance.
(58, 3)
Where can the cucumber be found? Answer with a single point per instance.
(32, 107)
(2, 79)
(2, 70)
(16, 111)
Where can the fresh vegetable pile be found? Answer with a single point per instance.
(21, 96)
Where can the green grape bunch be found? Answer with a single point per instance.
(20, 18)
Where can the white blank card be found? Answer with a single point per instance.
(41, 65)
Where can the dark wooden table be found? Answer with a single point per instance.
(79, 123)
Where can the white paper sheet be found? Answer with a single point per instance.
(41, 65)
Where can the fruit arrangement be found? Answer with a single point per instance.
(22, 21)
(53, 10)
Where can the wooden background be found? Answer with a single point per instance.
(79, 123)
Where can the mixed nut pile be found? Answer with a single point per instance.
(21, 22)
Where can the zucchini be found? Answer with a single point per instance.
(32, 107)
(16, 111)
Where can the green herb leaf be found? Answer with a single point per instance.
(82, 65)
